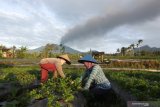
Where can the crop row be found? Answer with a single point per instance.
(56, 91)
(143, 85)
(134, 64)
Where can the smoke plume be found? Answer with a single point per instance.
(139, 12)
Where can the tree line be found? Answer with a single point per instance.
(130, 49)
(22, 52)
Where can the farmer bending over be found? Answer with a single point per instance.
(54, 65)
(94, 78)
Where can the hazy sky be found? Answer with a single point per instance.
(103, 25)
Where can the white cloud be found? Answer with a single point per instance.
(34, 23)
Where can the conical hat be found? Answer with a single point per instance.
(65, 57)
(87, 58)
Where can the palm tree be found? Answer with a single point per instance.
(137, 45)
(139, 42)
(123, 51)
(133, 47)
(118, 50)
(128, 49)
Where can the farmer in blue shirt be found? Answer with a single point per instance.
(94, 78)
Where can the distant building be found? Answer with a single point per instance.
(6, 52)
(99, 56)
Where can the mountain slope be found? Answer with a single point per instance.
(147, 48)
(67, 49)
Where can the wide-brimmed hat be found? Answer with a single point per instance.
(87, 58)
(65, 57)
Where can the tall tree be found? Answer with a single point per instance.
(133, 47)
(123, 51)
(129, 50)
(118, 50)
(21, 52)
(62, 48)
(48, 49)
(1, 47)
(139, 42)
(13, 49)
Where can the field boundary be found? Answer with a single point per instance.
(132, 69)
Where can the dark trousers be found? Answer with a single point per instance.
(99, 91)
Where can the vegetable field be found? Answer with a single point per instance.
(144, 86)
(20, 87)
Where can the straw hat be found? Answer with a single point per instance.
(87, 58)
(66, 58)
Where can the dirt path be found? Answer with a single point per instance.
(125, 69)
(132, 69)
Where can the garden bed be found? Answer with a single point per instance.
(127, 86)
(137, 85)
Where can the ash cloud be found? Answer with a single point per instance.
(139, 12)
